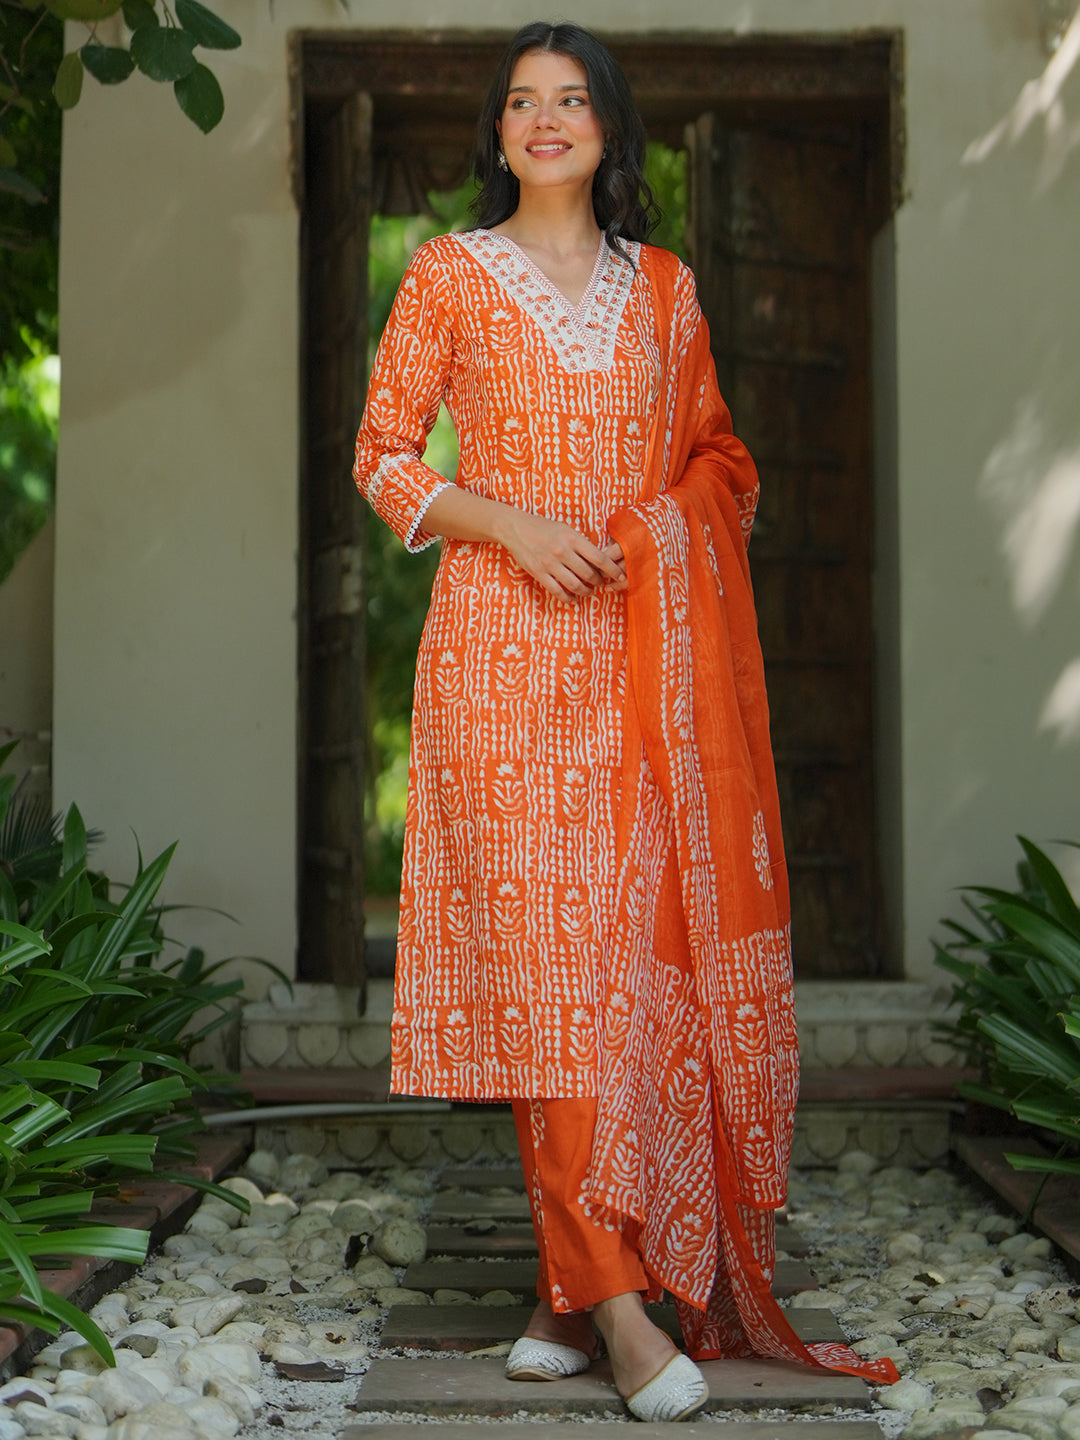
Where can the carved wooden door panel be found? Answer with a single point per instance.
(337, 218)
(779, 239)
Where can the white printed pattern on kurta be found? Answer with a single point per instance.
(514, 773)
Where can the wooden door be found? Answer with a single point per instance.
(779, 236)
(337, 218)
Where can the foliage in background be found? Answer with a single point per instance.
(164, 41)
(399, 584)
(95, 1076)
(1019, 1000)
(31, 48)
(29, 411)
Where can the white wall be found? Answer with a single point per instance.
(175, 641)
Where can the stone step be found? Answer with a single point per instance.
(472, 1327)
(453, 1385)
(517, 1241)
(477, 1277)
(503, 1177)
(688, 1430)
(509, 1242)
(448, 1208)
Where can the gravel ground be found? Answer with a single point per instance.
(978, 1316)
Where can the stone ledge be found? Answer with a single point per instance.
(160, 1206)
(842, 1024)
(871, 1023)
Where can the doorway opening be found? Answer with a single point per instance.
(792, 153)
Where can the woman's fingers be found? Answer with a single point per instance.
(565, 562)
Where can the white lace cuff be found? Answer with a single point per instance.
(418, 519)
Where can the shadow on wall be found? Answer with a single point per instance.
(1031, 478)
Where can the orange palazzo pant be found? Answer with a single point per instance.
(587, 1253)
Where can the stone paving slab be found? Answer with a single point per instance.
(687, 1430)
(509, 1241)
(471, 1327)
(455, 1209)
(454, 1386)
(474, 1206)
(503, 1177)
(519, 1276)
(791, 1240)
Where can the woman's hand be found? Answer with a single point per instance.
(559, 558)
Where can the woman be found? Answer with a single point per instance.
(594, 902)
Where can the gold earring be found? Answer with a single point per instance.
(501, 160)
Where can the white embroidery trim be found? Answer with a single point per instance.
(583, 335)
(417, 520)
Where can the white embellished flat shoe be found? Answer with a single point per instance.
(531, 1359)
(678, 1392)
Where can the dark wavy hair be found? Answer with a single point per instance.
(622, 201)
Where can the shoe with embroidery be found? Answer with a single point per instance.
(531, 1359)
(678, 1392)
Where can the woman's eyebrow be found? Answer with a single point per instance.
(531, 89)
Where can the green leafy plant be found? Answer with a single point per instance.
(1019, 1004)
(96, 1033)
(163, 38)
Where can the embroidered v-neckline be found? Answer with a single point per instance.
(580, 306)
(582, 335)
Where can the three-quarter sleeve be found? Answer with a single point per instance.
(407, 383)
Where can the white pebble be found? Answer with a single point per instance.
(400, 1242)
(119, 1391)
(23, 1386)
(39, 1420)
(371, 1273)
(227, 1392)
(819, 1300)
(301, 1172)
(177, 1245)
(160, 1421)
(229, 1358)
(283, 1353)
(208, 1316)
(207, 1226)
(82, 1407)
(263, 1167)
(906, 1394)
(212, 1419)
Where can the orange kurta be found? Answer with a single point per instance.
(515, 774)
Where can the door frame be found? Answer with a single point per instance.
(745, 79)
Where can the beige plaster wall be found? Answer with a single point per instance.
(175, 643)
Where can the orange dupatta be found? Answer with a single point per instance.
(699, 1068)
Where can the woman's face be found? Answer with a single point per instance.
(549, 131)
